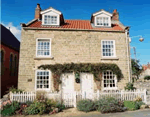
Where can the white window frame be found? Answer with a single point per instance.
(47, 19)
(45, 89)
(109, 88)
(58, 19)
(114, 44)
(102, 19)
(109, 21)
(49, 48)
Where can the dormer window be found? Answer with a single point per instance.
(102, 21)
(48, 20)
(51, 17)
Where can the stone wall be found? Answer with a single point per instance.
(66, 47)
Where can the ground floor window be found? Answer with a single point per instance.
(42, 79)
(109, 80)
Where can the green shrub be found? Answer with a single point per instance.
(129, 86)
(109, 105)
(130, 105)
(41, 106)
(31, 110)
(50, 103)
(147, 78)
(29, 103)
(85, 105)
(138, 104)
(9, 109)
(13, 90)
(60, 107)
(35, 108)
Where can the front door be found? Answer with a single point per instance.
(68, 89)
(87, 85)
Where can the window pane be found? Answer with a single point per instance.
(42, 79)
(50, 19)
(108, 48)
(108, 79)
(102, 21)
(43, 48)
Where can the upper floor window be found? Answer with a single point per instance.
(43, 48)
(108, 48)
(102, 21)
(50, 20)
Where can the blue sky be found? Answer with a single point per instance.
(133, 13)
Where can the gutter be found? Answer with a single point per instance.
(69, 29)
(128, 56)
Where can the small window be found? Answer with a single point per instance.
(42, 79)
(48, 19)
(2, 56)
(16, 67)
(108, 48)
(102, 21)
(109, 80)
(43, 48)
(11, 65)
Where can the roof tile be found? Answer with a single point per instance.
(77, 24)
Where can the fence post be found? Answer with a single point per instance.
(145, 101)
(75, 101)
(11, 96)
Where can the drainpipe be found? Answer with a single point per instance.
(128, 56)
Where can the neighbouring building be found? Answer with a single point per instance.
(50, 39)
(9, 60)
(146, 71)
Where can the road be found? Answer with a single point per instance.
(138, 113)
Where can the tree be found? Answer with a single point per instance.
(136, 68)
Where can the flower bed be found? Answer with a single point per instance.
(40, 105)
(102, 105)
(110, 105)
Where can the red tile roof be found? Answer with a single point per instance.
(77, 24)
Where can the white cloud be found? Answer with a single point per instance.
(15, 30)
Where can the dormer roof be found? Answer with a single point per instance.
(102, 11)
(50, 9)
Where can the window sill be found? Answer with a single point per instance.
(43, 58)
(47, 90)
(110, 89)
(109, 58)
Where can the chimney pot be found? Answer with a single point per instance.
(115, 11)
(38, 5)
(115, 16)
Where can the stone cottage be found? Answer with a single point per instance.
(49, 39)
(146, 71)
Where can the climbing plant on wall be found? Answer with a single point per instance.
(95, 68)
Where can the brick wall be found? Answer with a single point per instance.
(66, 47)
(8, 80)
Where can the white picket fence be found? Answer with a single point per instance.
(70, 99)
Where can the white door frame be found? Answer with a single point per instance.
(72, 78)
(92, 90)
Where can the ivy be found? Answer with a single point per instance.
(96, 69)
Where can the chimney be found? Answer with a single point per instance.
(144, 67)
(37, 12)
(115, 15)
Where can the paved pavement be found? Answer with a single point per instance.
(138, 113)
